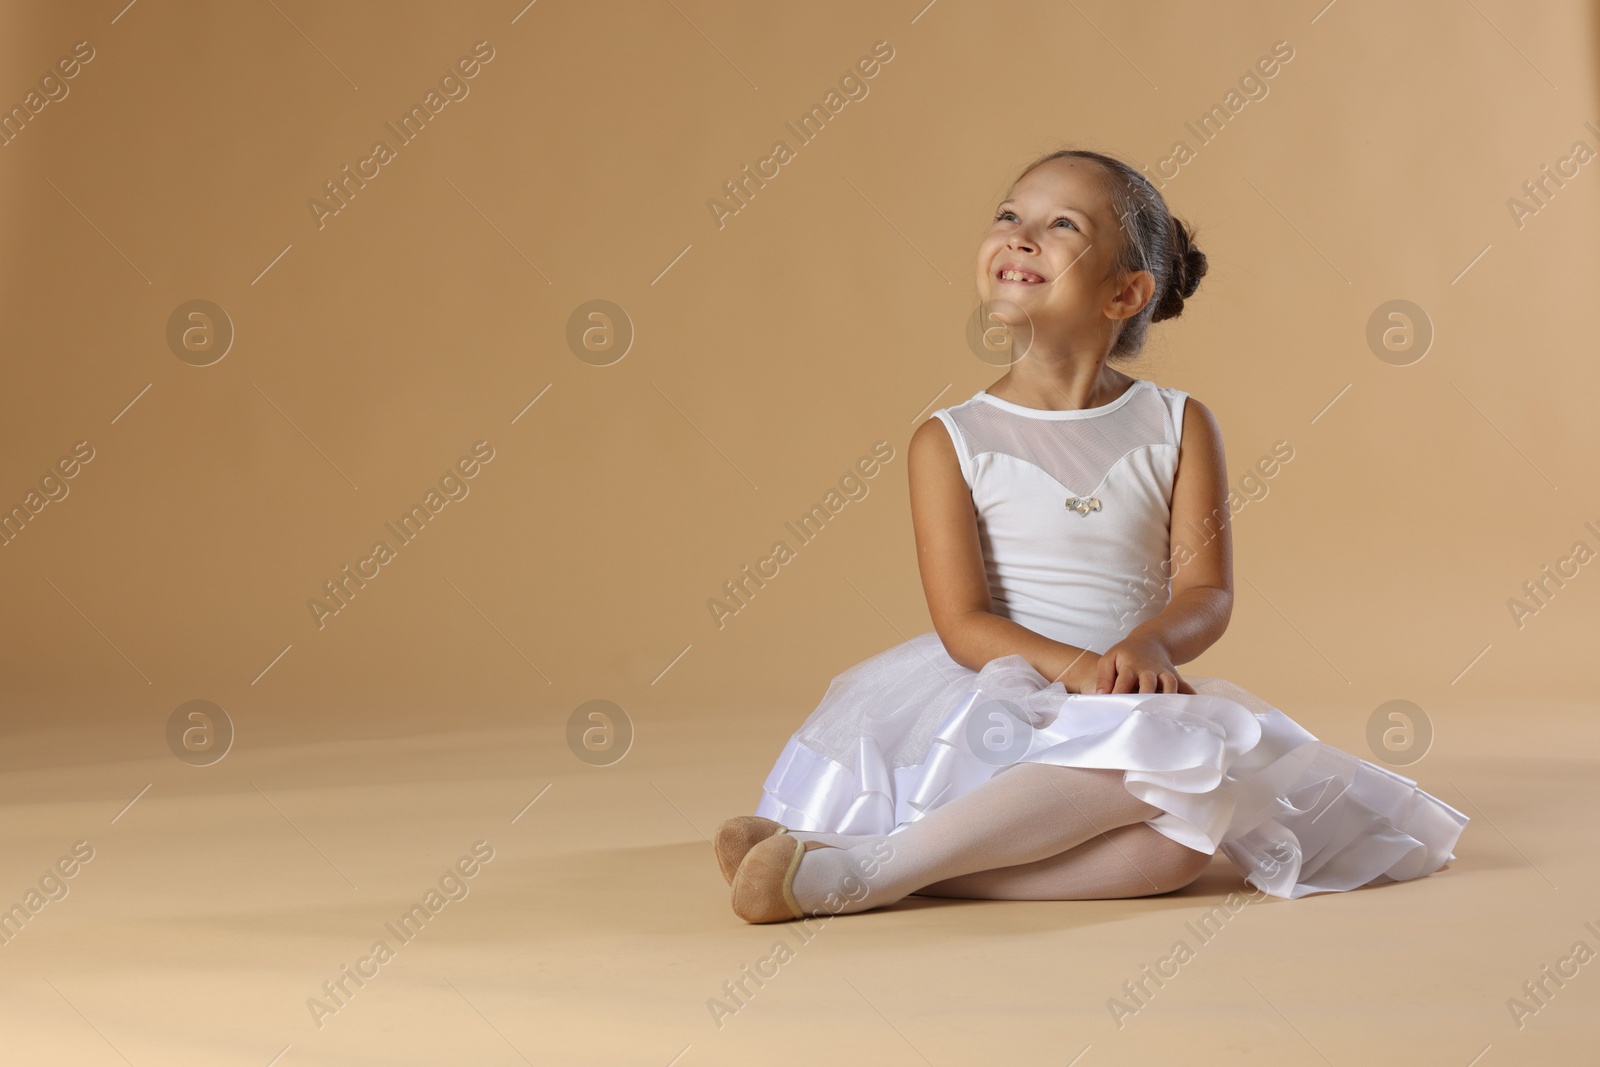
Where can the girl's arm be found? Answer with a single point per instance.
(953, 579)
(1202, 571)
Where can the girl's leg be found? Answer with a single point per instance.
(1131, 861)
(1026, 812)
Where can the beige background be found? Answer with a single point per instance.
(828, 314)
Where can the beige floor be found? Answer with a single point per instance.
(216, 905)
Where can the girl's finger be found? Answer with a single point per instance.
(1127, 681)
(1169, 682)
(1106, 675)
(1147, 682)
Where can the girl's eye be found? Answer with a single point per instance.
(1008, 213)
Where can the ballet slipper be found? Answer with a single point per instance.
(763, 886)
(739, 835)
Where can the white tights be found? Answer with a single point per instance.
(1032, 832)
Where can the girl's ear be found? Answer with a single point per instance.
(1137, 289)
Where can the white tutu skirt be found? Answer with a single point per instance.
(910, 729)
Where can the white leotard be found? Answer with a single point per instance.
(1074, 508)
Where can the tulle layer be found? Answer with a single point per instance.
(910, 729)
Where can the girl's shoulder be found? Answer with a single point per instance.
(1177, 405)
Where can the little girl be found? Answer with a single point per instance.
(1040, 744)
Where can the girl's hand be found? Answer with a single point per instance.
(1081, 673)
(1137, 665)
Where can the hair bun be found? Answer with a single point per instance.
(1187, 267)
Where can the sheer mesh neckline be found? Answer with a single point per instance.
(1074, 413)
(1072, 447)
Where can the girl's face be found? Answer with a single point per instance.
(1052, 252)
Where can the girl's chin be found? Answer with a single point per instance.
(1019, 294)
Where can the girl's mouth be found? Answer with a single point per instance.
(1018, 276)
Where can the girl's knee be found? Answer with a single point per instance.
(1166, 865)
(1181, 866)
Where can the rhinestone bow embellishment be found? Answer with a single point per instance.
(1083, 505)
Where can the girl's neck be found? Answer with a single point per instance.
(1064, 383)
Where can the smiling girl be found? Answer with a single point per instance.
(1040, 742)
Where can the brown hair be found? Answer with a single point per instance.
(1152, 240)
